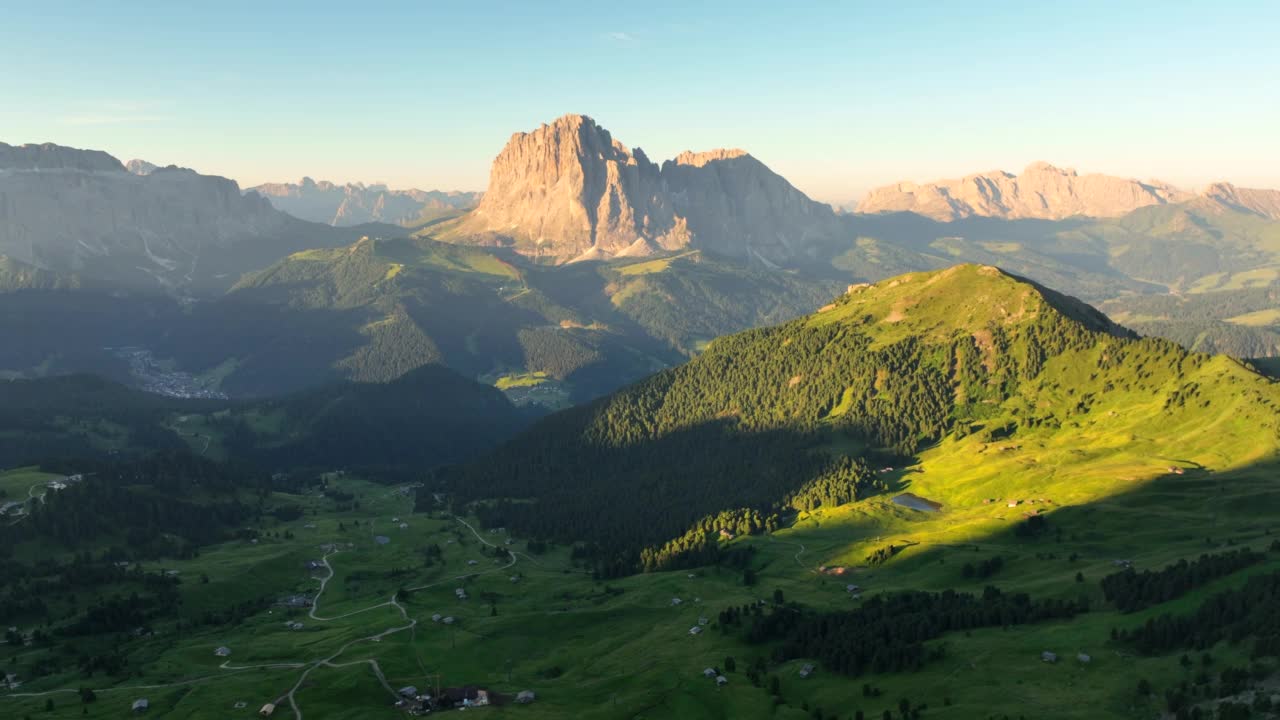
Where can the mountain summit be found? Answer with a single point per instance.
(1041, 191)
(570, 191)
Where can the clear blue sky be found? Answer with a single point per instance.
(837, 96)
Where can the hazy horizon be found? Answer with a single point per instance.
(836, 99)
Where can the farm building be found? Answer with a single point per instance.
(525, 697)
(703, 621)
(404, 526)
(469, 696)
(223, 651)
(473, 562)
(696, 629)
(448, 620)
(807, 670)
(267, 710)
(709, 673)
(437, 617)
(1084, 658)
(722, 680)
(1049, 657)
(408, 691)
(141, 705)
(294, 625)
(676, 601)
(381, 539)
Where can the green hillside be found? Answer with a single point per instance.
(378, 308)
(982, 457)
(764, 422)
(430, 415)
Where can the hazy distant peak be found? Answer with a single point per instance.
(1042, 191)
(140, 167)
(699, 159)
(1041, 166)
(1265, 203)
(358, 203)
(48, 156)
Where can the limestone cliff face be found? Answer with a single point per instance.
(1041, 191)
(1265, 203)
(69, 210)
(569, 191)
(357, 203)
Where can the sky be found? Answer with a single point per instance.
(838, 97)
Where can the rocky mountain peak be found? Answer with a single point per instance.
(568, 190)
(140, 167)
(1265, 203)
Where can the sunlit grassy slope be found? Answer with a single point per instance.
(1133, 451)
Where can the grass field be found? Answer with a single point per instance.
(1261, 318)
(620, 649)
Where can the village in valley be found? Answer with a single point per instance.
(342, 601)
(415, 613)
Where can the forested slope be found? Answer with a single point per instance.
(769, 420)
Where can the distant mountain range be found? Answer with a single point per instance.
(568, 192)
(584, 267)
(355, 204)
(1046, 192)
(82, 212)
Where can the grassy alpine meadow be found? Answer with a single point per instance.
(621, 648)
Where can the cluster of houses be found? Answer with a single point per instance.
(414, 702)
(715, 673)
(697, 629)
(297, 601)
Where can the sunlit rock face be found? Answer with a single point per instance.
(569, 190)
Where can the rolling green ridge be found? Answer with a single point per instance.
(897, 367)
(1028, 426)
(376, 309)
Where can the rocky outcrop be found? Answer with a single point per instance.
(356, 203)
(80, 211)
(140, 167)
(1265, 203)
(1041, 191)
(569, 190)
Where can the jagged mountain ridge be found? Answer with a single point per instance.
(569, 191)
(357, 203)
(73, 211)
(1042, 191)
